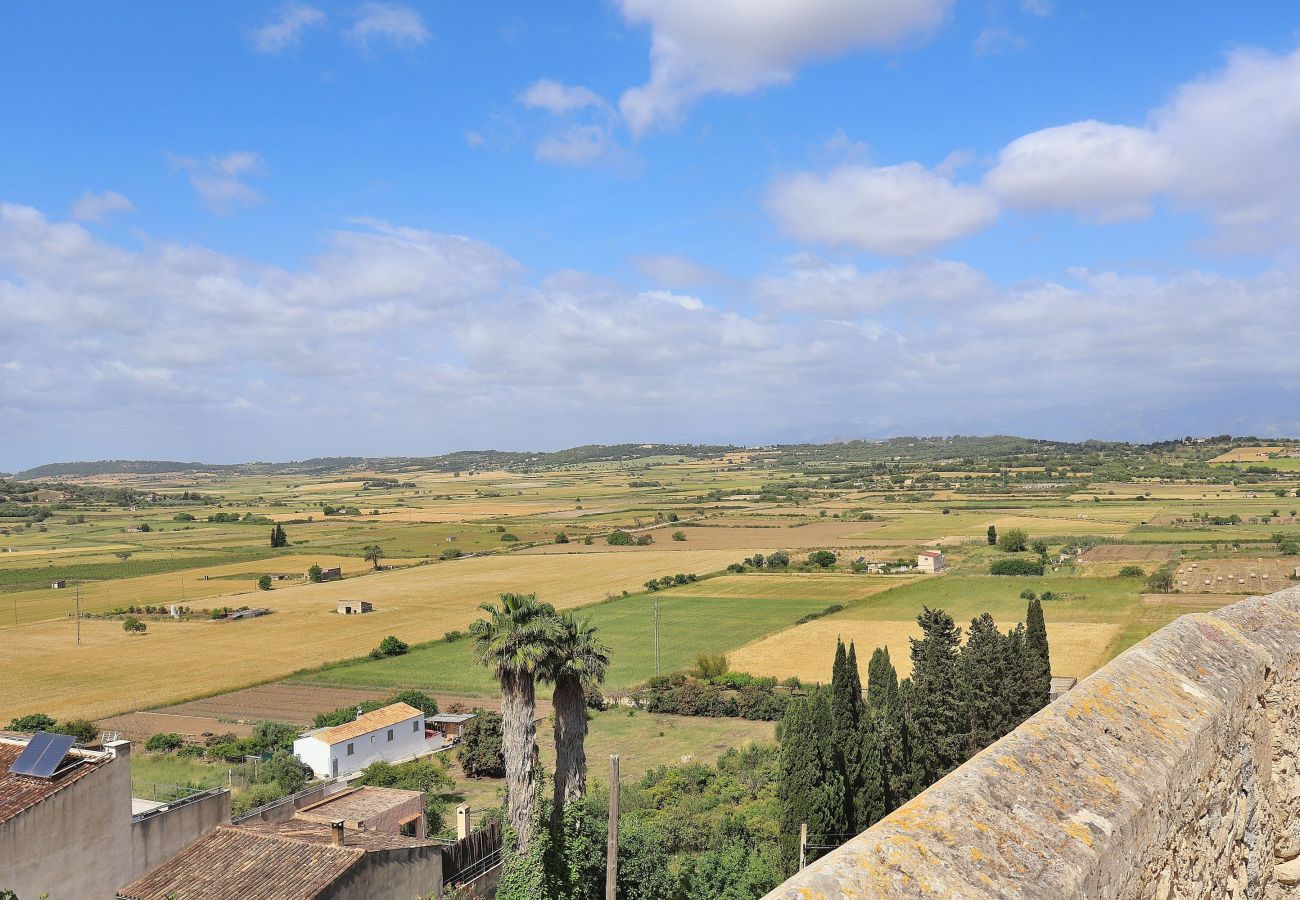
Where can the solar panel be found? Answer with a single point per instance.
(43, 754)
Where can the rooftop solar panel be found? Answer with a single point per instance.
(43, 755)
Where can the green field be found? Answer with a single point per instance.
(687, 626)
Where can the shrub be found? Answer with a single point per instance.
(164, 742)
(264, 582)
(710, 665)
(452, 636)
(420, 700)
(1131, 572)
(1016, 567)
(821, 558)
(643, 540)
(1039, 547)
(480, 753)
(313, 573)
(132, 625)
(183, 517)
(735, 568)
(83, 730)
(1049, 596)
(1161, 582)
(1027, 594)
(778, 560)
(389, 646)
(588, 540)
(508, 537)
(32, 722)
(619, 538)
(451, 553)
(1013, 541)
(679, 535)
(561, 538)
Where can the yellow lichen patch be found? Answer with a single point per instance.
(975, 854)
(1079, 832)
(1008, 762)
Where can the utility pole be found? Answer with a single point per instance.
(611, 848)
(78, 615)
(803, 845)
(656, 634)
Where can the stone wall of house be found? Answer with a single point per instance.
(1169, 773)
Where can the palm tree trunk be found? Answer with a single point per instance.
(518, 734)
(570, 703)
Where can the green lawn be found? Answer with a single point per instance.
(688, 626)
(150, 769)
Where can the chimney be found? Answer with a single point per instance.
(462, 821)
(359, 713)
(337, 828)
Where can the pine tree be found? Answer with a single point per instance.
(1039, 661)
(939, 732)
(809, 787)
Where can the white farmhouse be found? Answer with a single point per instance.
(929, 561)
(393, 734)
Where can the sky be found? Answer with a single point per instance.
(266, 231)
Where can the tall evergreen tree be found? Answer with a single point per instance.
(882, 680)
(939, 730)
(991, 707)
(809, 787)
(872, 797)
(846, 713)
(992, 535)
(1020, 691)
(905, 777)
(1039, 661)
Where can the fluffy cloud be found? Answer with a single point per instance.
(738, 46)
(1105, 172)
(677, 271)
(892, 210)
(560, 99)
(586, 134)
(286, 29)
(94, 207)
(1226, 146)
(387, 23)
(222, 181)
(397, 339)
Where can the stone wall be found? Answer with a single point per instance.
(1169, 773)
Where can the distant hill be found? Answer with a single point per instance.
(462, 460)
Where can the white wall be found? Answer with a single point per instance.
(408, 740)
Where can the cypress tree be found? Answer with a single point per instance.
(1019, 689)
(846, 714)
(939, 729)
(809, 787)
(1039, 662)
(992, 535)
(871, 792)
(882, 680)
(905, 778)
(991, 710)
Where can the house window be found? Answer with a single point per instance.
(351, 749)
(415, 726)
(390, 734)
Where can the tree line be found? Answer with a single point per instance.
(849, 759)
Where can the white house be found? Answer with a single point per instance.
(392, 734)
(929, 561)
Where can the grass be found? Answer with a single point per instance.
(688, 626)
(149, 769)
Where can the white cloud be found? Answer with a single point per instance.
(738, 46)
(893, 210)
(1105, 172)
(560, 99)
(221, 181)
(577, 145)
(813, 285)
(671, 270)
(387, 23)
(1226, 145)
(287, 28)
(1040, 8)
(993, 40)
(94, 207)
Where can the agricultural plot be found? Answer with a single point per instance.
(178, 660)
(838, 588)
(1237, 575)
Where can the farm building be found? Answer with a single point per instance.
(252, 613)
(58, 583)
(355, 607)
(333, 573)
(449, 725)
(386, 810)
(391, 734)
(929, 561)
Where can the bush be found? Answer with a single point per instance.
(182, 517)
(643, 540)
(778, 560)
(619, 538)
(508, 537)
(821, 558)
(389, 646)
(451, 553)
(1013, 541)
(164, 742)
(132, 625)
(710, 665)
(1039, 547)
(480, 753)
(32, 722)
(83, 730)
(452, 636)
(1016, 567)
(264, 583)
(1027, 594)
(735, 568)
(1131, 572)
(1161, 582)
(561, 538)
(679, 535)
(313, 573)
(420, 700)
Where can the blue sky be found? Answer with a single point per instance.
(273, 230)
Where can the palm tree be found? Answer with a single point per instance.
(579, 661)
(517, 642)
(374, 553)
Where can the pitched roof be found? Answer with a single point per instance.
(385, 717)
(309, 832)
(20, 792)
(358, 804)
(930, 553)
(236, 861)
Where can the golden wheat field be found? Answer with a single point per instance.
(807, 650)
(113, 672)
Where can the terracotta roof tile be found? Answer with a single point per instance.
(19, 792)
(386, 717)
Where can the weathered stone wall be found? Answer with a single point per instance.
(1169, 773)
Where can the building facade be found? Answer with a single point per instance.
(391, 734)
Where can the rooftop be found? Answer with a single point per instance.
(453, 718)
(357, 805)
(21, 792)
(364, 724)
(307, 832)
(249, 864)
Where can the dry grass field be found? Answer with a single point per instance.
(1240, 575)
(1246, 454)
(723, 535)
(808, 650)
(112, 671)
(831, 588)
